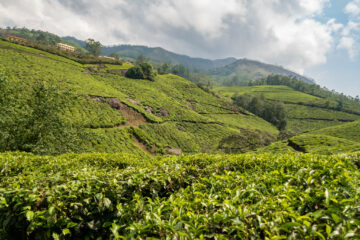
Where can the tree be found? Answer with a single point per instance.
(135, 73)
(274, 113)
(94, 47)
(339, 105)
(148, 71)
(164, 68)
(141, 59)
(115, 55)
(142, 71)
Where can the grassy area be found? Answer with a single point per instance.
(350, 131)
(306, 113)
(323, 144)
(116, 196)
(170, 100)
(279, 93)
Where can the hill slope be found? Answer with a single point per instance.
(138, 116)
(306, 112)
(244, 70)
(336, 139)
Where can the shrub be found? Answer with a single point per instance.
(142, 71)
(135, 73)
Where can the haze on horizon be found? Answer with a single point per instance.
(318, 38)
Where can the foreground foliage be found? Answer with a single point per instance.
(33, 123)
(98, 196)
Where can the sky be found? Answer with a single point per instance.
(317, 38)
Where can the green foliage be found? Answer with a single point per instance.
(35, 125)
(77, 56)
(166, 105)
(148, 71)
(273, 112)
(305, 112)
(254, 196)
(343, 102)
(323, 144)
(247, 140)
(349, 131)
(135, 73)
(141, 59)
(115, 55)
(94, 47)
(142, 71)
(37, 36)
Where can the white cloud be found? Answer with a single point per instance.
(283, 32)
(349, 40)
(348, 44)
(353, 8)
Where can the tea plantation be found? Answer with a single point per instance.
(121, 196)
(305, 112)
(168, 113)
(118, 176)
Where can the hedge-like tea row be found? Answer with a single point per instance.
(102, 196)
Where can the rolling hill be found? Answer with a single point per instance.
(306, 113)
(159, 55)
(121, 181)
(223, 70)
(228, 71)
(170, 114)
(243, 70)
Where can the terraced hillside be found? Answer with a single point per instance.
(336, 139)
(170, 114)
(306, 113)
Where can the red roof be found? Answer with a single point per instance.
(17, 38)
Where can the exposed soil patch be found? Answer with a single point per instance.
(163, 112)
(140, 145)
(149, 109)
(173, 151)
(132, 101)
(133, 117)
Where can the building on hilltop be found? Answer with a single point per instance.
(65, 47)
(15, 39)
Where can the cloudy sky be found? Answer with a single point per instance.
(318, 38)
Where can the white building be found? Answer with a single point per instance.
(65, 47)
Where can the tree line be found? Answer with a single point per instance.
(273, 112)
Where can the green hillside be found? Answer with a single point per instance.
(101, 149)
(40, 37)
(305, 112)
(132, 115)
(243, 71)
(336, 139)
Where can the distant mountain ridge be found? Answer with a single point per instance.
(160, 55)
(223, 70)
